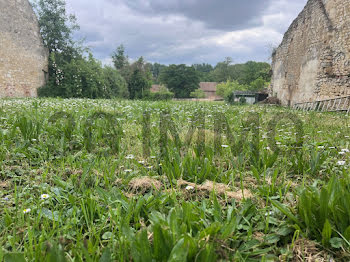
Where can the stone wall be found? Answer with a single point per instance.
(313, 60)
(23, 57)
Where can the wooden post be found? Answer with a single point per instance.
(338, 107)
(333, 109)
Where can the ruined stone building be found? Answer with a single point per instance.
(23, 57)
(313, 60)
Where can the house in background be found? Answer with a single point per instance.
(209, 89)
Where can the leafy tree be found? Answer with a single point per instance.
(56, 26)
(116, 83)
(245, 74)
(222, 70)
(226, 89)
(180, 79)
(120, 60)
(139, 82)
(156, 69)
(72, 73)
(252, 71)
(258, 84)
(204, 71)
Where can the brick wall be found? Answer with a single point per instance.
(313, 60)
(23, 57)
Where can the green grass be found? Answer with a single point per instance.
(67, 166)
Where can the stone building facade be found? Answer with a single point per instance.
(313, 60)
(23, 56)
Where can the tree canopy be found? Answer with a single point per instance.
(182, 80)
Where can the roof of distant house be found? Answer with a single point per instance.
(208, 86)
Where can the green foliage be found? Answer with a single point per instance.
(137, 75)
(115, 83)
(138, 85)
(162, 94)
(204, 71)
(244, 74)
(222, 71)
(324, 212)
(72, 72)
(94, 211)
(226, 90)
(258, 84)
(180, 79)
(139, 82)
(119, 59)
(82, 78)
(156, 70)
(56, 26)
(198, 94)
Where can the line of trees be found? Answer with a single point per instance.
(75, 73)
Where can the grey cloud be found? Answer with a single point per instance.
(215, 14)
(184, 31)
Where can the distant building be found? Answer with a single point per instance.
(249, 97)
(209, 89)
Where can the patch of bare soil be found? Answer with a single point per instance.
(307, 250)
(208, 187)
(4, 184)
(142, 185)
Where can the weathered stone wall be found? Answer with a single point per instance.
(313, 60)
(23, 57)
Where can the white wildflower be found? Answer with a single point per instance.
(189, 188)
(44, 196)
(341, 163)
(27, 210)
(130, 157)
(224, 146)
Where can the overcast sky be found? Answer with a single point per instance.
(185, 31)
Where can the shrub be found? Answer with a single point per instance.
(226, 90)
(198, 94)
(82, 78)
(162, 94)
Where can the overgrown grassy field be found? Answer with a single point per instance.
(99, 180)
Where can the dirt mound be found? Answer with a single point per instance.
(208, 187)
(143, 185)
(271, 101)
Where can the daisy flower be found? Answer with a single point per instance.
(341, 163)
(44, 196)
(130, 157)
(27, 210)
